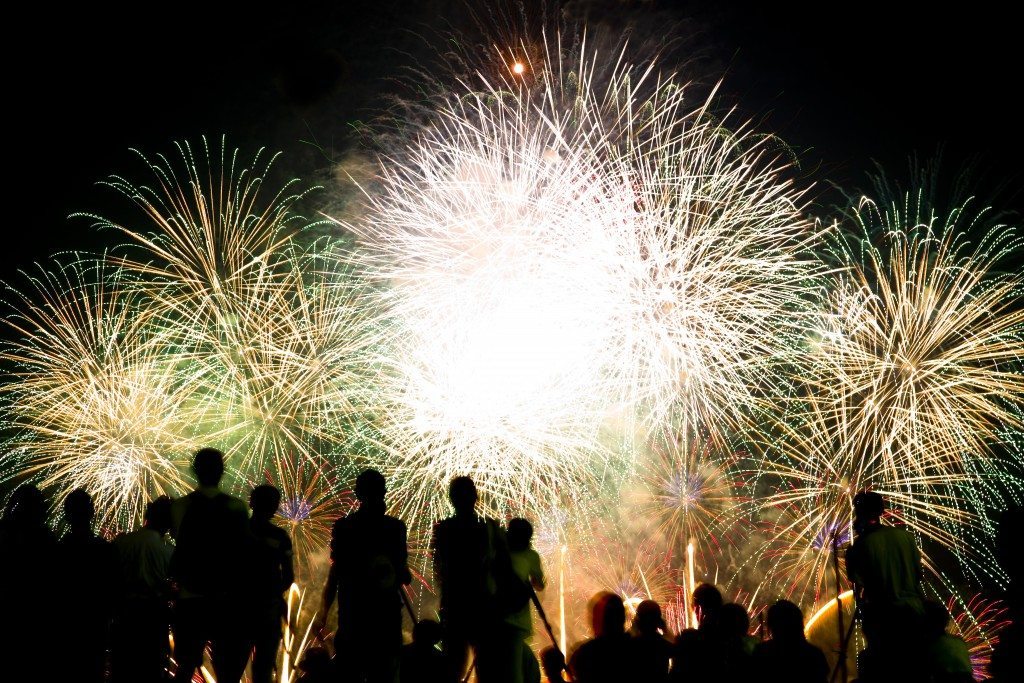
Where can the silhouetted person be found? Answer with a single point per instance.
(465, 550)
(735, 645)
(86, 578)
(143, 616)
(271, 575)
(28, 559)
(884, 565)
(552, 663)
(651, 649)
(697, 652)
(607, 657)
(209, 566)
(947, 657)
(527, 567)
(369, 559)
(788, 657)
(422, 661)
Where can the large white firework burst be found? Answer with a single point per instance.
(562, 268)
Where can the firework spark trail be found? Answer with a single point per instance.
(92, 399)
(214, 327)
(277, 332)
(558, 271)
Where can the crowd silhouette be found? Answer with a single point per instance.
(84, 609)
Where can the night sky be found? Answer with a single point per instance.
(842, 83)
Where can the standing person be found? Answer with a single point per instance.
(788, 657)
(884, 565)
(698, 653)
(272, 574)
(87, 569)
(608, 656)
(28, 559)
(209, 565)
(465, 548)
(369, 566)
(142, 615)
(651, 648)
(527, 568)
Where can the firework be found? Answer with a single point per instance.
(561, 268)
(91, 399)
(273, 333)
(213, 326)
(978, 622)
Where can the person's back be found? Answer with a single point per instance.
(885, 563)
(369, 565)
(696, 653)
(463, 548)
(607, 657)
(788, 657)
(87, 576)
(28, 551)
(651, 651)
(735, 649)
(211, 529)
(211, 537)
(142, 619)
(271, 574)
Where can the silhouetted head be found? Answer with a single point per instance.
(158, 515)
(868, 507)
(552, 662)
(426, 632)
(936, 618)
(648, 618)
(26, 506)
(264, 501)
(520, 531)
(462, 494)
(370, 487)
(785, 621)
(707, 600)
(607, 614)
(78, 508)
(208, 466)
(733, 621)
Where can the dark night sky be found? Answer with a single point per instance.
(843, 83)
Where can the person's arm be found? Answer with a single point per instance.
(331, 585)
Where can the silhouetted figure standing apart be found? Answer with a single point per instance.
(788, 657)
(608, 657)
(209, 567)
(28, 553)
(271, 575)
(87, 573)
(369, 565)
(143, 616)
(528, 570)
(464, 548)
(422, 661)
(697, 652)
(652, 650)
(884, 565)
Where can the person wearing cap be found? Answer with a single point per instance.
(884, 565)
